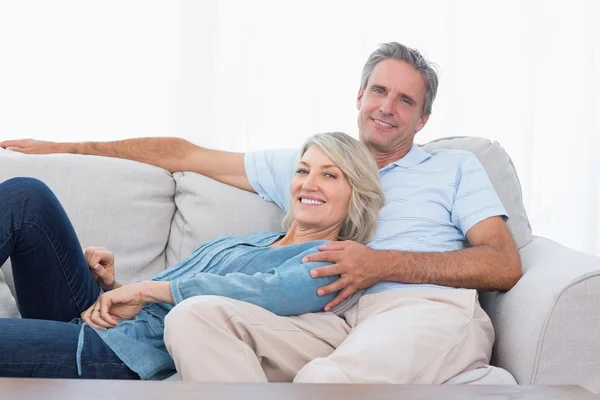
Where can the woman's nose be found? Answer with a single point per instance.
(309, 183)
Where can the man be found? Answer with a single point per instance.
(410, 325)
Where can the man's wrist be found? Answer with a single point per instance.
(388, 264)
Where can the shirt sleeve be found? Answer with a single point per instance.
(285, 290)
(270, 173)
(475, 198)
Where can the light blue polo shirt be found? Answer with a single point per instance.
(431, 199)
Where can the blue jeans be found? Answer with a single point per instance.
(53, 285)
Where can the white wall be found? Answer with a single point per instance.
(244, 75)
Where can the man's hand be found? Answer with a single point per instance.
(29, 146)
(102, 265)
(359, 267)
(120, 304)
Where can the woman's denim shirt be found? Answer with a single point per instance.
(242, 268)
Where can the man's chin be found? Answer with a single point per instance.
(378, 144)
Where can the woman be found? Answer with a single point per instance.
(120, 333)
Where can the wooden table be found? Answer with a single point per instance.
(64, 389)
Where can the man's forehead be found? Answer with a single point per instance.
(397, 75)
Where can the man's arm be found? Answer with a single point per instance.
(172, 154)
(491, 263)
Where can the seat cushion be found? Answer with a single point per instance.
(486, 375)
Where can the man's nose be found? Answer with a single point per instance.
(387, 106)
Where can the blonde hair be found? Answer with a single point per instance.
(359, 167)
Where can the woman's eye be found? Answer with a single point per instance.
(328, 175)
(301, 171)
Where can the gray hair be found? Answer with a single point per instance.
(359, 167)
(400, 52)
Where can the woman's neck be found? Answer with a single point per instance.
(298, 234)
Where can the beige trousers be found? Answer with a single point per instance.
(403, 336)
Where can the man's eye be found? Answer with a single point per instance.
(378, 90)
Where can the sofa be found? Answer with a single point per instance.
(547, 326)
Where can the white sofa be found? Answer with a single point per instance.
(547, 326)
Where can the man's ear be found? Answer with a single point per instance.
(359, 99)
(421, 123)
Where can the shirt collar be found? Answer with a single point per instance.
(414, 157)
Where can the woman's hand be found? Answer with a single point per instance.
(102, 265)
(119, 304)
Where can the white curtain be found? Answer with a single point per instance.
(244, 75)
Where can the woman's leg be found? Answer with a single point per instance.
(216, 339)
(52, 279)
(47, 349)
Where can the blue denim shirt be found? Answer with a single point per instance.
(242, 268)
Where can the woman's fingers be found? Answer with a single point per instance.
(93, 255)
(104, 314)
(94, 317)
(86, 317)
(98, 320)
(107, 278)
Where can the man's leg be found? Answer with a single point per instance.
(409, 336)
(31, 348)
(52, 279)
(216, 339)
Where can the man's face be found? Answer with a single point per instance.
(390, 107)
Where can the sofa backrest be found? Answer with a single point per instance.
(122, 205)
(207, 209)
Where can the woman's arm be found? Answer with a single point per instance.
(125, 302)
(285, 290)
(157, 292)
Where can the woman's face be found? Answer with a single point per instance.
(320, 192)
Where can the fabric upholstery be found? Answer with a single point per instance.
(207, 209)
(548, 325)
(122, 205)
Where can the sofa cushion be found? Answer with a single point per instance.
(122, 205)
(485, 375)
(207, 209)
(502, 174)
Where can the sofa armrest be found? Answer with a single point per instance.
(548, 324)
